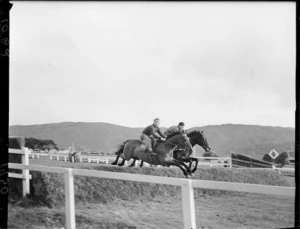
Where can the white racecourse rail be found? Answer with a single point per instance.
(187, 186)
(214, 161)
(25, 176)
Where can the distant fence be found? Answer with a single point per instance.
(215, 161)
(236, 161)
(66, 157)
(241, 160)
(203, 161)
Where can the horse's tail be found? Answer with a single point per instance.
(121, 148)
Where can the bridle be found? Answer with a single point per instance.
(203, 143)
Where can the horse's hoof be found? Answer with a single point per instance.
(120, 164)
(113, 163)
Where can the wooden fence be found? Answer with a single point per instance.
(25, 176)
(215, 161)
(241, 160)
(187, 186)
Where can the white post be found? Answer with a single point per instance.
(25, 172)
(230, 162)
(70, 200)
(188, 205)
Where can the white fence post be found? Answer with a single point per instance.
(70, 200)
(188, 205)
(230, 162)
(25, 172)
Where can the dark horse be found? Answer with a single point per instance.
(163, 152)
(281, 160)
(196, 138)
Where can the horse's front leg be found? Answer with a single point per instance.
(122, 163)
(176, 163)
(190, 163)
(133, 163)
(116, 161)
(182, 162)
(141, 165)
(196, 166)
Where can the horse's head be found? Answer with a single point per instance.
(283, 159)
(197, 137)
(181, 141)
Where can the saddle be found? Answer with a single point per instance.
(154, 145)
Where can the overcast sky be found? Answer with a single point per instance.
(128, 63)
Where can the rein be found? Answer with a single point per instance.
(176, 145)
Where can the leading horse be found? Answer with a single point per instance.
(196, 138)
(163, 152)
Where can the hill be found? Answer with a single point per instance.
(223, 139)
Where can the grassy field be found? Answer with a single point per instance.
(102, 203)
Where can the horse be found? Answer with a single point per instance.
(281, 160)
(137, 150)
(196, 138)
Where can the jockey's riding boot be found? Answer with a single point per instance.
(153, 144)
(153, 147)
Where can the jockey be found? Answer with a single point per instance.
(151, 134)
(173, 130)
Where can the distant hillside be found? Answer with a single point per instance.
(223, 139)
(248, 139)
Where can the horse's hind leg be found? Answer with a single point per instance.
(141, 165)
(133, 163)
(122, 163)
(116, 161)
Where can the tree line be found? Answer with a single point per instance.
(41, 144)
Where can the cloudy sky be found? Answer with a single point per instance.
(128, 63)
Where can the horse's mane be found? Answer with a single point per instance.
(194, 132)
(172, 135)
(189, 134)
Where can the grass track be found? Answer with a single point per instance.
(225, 211)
